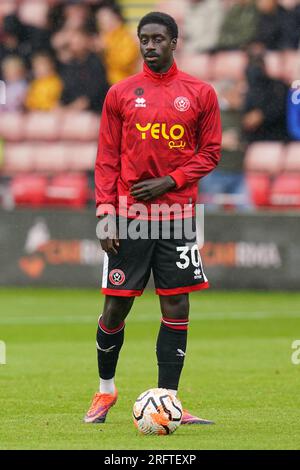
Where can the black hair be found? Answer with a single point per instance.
(157, 17)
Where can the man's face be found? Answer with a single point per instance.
(157, 47)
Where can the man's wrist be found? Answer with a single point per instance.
(171, 182)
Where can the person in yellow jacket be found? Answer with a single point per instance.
(118, 47)
(46, 88)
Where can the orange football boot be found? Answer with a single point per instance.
(101, 404)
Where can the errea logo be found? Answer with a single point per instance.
(140, 103)
(197, 274)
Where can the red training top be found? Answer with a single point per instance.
(155, 125)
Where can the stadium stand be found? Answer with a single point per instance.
(43, 148)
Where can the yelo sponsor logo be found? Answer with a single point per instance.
(159, 130)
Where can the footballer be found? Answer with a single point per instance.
(160, 133)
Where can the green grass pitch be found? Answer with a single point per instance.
(238, 371)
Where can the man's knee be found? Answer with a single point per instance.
(175, 306)
(116, 310)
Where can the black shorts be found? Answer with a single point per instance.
(175, 263)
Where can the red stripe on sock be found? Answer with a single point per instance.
(111, 332)
(174, 320)
(175, 324)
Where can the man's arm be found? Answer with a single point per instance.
(107, 168)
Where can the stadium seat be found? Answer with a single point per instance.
(7, 7)
(292, 157)
(285, 191)
(266, 157)
(229, 65)
(81, 157)
(68, 190)
(11, 126)
(42, 126)
(80, 126)
(175, 8)
(291, 66)
(259, 186)
(274, 64)
(34, 12)
(50, 157)
(198, 65)
(29, 189)
(18, 158)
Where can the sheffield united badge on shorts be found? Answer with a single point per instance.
(117, 277)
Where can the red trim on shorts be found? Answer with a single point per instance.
(182, 290)
(121, 292)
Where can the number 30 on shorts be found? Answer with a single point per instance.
(188, 255)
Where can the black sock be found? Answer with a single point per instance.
(109, 343)
(170, 351)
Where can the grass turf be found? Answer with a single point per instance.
(238, 371)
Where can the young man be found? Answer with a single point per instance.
(160, 132)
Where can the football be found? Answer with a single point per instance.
(157, 411)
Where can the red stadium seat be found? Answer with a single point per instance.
(267, 157)
(29, 189)
(18, 158)
(42, 126)
(34, 12)
(285, 191)
(291, 66)
(176, 9)
(274, 64)
(50, 157)
(292, 157)
(229, 65)
(81, 157)
(7, 7)
(198, 65)
(11, 126)
(80, 126)
(259, 186)
(68, 190)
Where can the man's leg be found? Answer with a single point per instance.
(172, 339)
(171, 347)
(110, 337)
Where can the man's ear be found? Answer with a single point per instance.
(174, 44)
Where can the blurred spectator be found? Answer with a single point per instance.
(293, 113)
(22, 39)
(239, 25)
(264, 115)
(116, 44)
(229, 179)
(78, 15)
(84, 76)
(45, 90)
(60, 43)
(71, 15)
(278, 28)
(14, 75)
(202, 24)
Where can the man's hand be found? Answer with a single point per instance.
(108, 234)
(149, 189)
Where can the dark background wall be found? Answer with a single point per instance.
(59, 248)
